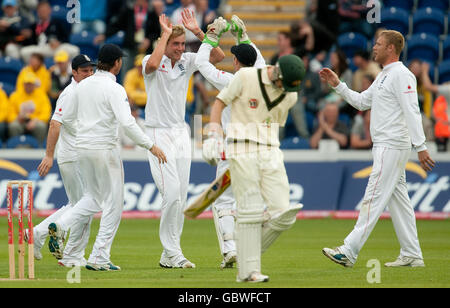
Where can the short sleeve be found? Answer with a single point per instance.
(232, 91)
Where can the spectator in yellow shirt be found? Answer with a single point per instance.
(134, 83)
(30, 110)
(3, 115)
(37, 67)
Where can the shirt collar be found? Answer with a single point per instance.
(391, 65)
(74, 82)
(106, 74)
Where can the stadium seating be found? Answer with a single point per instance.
(295, 143)
(429, 20)
(116, 39)
(402, 4)
(58, 2)
(444, 72)
(442, 5)
(9, 70)
(60, 12)
(395, 19)
(7, 87)
(446, 48)
(49, 62)
(350, 42)
(310, 118)
(26, 141)
(85, 41)
(423, 46)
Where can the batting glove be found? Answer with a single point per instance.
(212, 149)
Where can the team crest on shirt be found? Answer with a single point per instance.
(182, 69)
(253, 103)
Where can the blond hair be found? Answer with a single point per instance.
(395, 38)
(177, 31)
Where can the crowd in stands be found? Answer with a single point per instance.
(337, 34)
(37, 45)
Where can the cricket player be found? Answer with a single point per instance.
(395, 127)
(260, 100)
(63, 135)
(245, 55)
(101, 106)
(166, 75)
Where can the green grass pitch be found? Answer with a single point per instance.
(294, 261)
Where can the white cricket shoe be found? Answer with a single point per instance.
(73, 263)
(109, 267)
(228, 260)
(406, 261)
(239, 31)
(37, 249)
(215, 31)
(254, 277)
(336, 256)
(175, 262)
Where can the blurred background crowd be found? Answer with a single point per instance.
(37, 44)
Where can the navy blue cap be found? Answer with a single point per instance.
(109, 53)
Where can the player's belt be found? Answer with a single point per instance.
(247, 141)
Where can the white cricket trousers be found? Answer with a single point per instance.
(386, 188)
(172, 180)
(224, 206)
(79, 233)
(103, 179)
(257, 179)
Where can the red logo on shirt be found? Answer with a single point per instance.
(409, 87)
(60, 109)
(253, 103)
(163, 66)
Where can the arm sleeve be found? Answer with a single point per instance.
(219, 79)
(406, 92)
(361, 101)
(260, 61)
(232, 91)
(192, 66)
(122, 111)
(69, 113)
(144, 63)
(60, 108)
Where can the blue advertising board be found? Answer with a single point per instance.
(320, 186)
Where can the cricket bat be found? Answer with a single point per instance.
(214, 190)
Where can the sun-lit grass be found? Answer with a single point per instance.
(294, 261)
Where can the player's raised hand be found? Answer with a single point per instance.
(330, 77)
(165, 23)
(159, 154)
(189, 21)
(426, 162)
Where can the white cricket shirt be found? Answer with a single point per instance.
(65, 151)
(102, 105)
(395, 120)
(166, 90)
